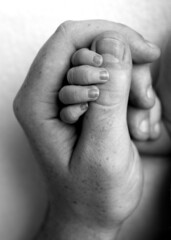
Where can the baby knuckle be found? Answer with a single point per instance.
(89, 76)
(74, 117)
(71, 115)
(76, 95)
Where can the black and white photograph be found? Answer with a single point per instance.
(85, 120)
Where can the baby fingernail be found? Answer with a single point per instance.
(104, 75)
(84, 106)
(111, 46)
(98, 60)
(93, 93)
(144, 126)
(150, 92)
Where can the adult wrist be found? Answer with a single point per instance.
(58, 227)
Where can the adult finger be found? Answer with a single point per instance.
(50, 66)
(157, 147)
(145, 124)
(142, 94)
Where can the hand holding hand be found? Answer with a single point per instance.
(94, 178)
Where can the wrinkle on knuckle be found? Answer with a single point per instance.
(65, 28)
(16, 107)
(20, 105)
(23, 109)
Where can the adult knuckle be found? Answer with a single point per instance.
(16, 106)
(121, 25)
(123, 28)
(22, 108)
(65, 27)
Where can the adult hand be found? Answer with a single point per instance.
(164, 87)
(161, 146)
(86, 198)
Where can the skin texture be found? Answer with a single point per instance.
(153, 22)
(71, 159)
(164, 86)
(144, 111)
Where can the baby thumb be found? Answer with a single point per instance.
(117, 60)
(105, 122)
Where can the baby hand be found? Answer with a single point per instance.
(87, 73)
(83, 79)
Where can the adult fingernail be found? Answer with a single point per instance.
(93, 93)
(151, 44)
(144, 126)
(98, 60)
(150, 92)
(104, 75)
